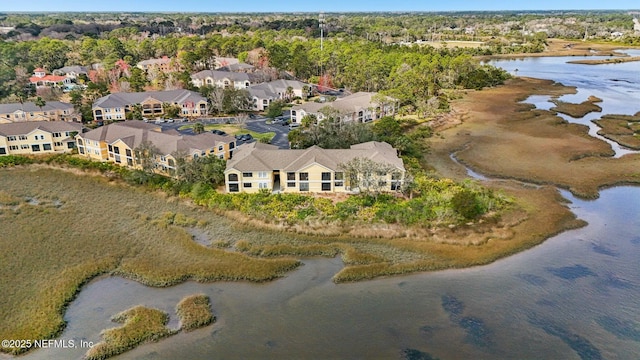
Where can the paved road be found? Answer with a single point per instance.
(258, 125)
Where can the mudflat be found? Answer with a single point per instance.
(501, 137)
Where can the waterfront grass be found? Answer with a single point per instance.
(502, 138)
(140, 324)
(194, 312)
(78, 227)
(577, 110)
(614, 60)
(623, 129)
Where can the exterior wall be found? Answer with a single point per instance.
(223, 150)
(248, 182)
(92, 149)
(221, 83)
(121, 154)
(36, 142)
(117, 113)
(50, 115)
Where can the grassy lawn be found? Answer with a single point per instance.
(194, 312)
(233, 129)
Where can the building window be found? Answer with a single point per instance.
(304, 186)
(246, 185)
(326, 181)
(81, 150)
(13, 147)
(304, 176)
(57, 143)
(291, 184)
(233, 177)
(129, 161)
(46, 147)
(232, 146)
(263, 185)
(263, 174)
(71, 145)
(116, 150)
(221, 148)
(233, 188)
(11, 138)
(3, 151)
(35, 148)
(339, 179)
(247, 174)
(57, 134)
(128, 152)
(22, 137)
(24, 146)
(110, 148)
(118, 159)
(39, 137)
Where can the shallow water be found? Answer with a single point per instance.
(576, 296)
(617, 84)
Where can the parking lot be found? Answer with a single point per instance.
(257, 124)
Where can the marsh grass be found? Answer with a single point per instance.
(47, 253)
(577, 110)
(194, 312)
(140, 324)
(623, 129)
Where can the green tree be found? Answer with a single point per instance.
(198, 128)
(137, 79)
(39, 102)
(275, 109)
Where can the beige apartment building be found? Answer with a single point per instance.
(38, 137)
(258, 166)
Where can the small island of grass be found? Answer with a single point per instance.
(577, 110)
(194, 312)
(623, 129)
(140, 324)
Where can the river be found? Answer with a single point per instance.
(576, 296)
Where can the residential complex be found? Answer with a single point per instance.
(119, 143)
(116, 106)
(38, 137)
(164, 64)
(29, 111)
(361, 107)
(258, 166)
(221, 79)
(41, 79)
(263, 94)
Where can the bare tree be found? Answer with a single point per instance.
(241, 119)
(366, 175)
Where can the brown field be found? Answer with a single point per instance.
(502, 138)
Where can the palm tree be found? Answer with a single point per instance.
(305, 91)
(289, 92)
(198, 128)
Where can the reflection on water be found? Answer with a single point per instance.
(576, 296)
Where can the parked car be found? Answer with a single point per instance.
(218, 132)
(293, 125)
(169, 120)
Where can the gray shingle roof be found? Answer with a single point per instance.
(134, 133)
(219, 75)
(258, 158)
(30, 107)
(122, 99)
(23, 128)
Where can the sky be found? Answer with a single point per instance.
(307, 6)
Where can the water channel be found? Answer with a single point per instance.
(576, 296)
